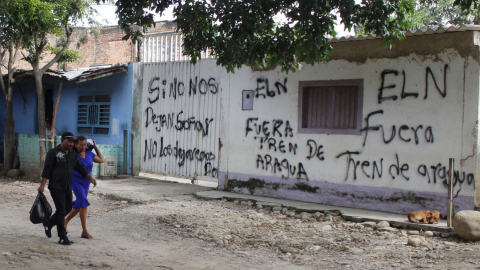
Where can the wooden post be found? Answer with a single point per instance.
(52, 137)
(451, 162)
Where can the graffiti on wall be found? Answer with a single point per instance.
(158, 88)
(264, 89)
(179, 119)
(279, 146)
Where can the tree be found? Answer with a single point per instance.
(244, 32)
(440, 13)
(49, 17)
(471, 7)
(12, 26)
(430, 13)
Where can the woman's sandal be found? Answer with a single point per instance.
(87, 236)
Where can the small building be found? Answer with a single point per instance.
(95, 102)
(372, 128)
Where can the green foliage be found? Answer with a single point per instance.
(430, 13)
(13, 21)
(244, 32)
(82, 36)
(442, 13)
(61, 41)
(52, 17)
(68, 55)
(469, 5)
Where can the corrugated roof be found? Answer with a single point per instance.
(418, 32)
(80, 75)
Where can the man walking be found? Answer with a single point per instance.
(58, 170)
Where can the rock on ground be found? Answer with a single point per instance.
(428, 233)
(14, 173)
(383, 224)
(356, 251)
(467, 225)
(386, 229)
(415, 242)
(369, 224)
(216, 234)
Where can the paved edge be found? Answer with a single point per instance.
(311, 207)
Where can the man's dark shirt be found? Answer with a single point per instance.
(59, 168)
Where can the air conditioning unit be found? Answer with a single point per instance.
(108, 169)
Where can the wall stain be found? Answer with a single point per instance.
(251, 184)
(396, 197)
(424, 45)
(304, 187)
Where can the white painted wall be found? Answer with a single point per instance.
(452, 120)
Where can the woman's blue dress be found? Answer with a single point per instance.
(80, 185)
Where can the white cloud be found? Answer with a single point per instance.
(106, 14)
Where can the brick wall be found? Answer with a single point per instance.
(99, 46)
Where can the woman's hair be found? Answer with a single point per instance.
(79, 138)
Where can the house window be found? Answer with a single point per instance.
(330, 107)
(93, 115)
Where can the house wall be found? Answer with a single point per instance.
(28, 149)
(24, 101)
(120, 88)
(401, 172)
(3, 115)
(397, 163)
(137, 113)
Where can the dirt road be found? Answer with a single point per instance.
(186, 233)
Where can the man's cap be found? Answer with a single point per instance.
(69, 136)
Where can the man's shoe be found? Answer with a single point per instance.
(48, 230)
(65, 241)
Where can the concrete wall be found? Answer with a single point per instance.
(137, 117)
(420, 108)
(28, 148)
(371, 170)
(109, 151)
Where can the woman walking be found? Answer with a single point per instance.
(80, 185)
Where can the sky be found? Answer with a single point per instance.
(107, 17)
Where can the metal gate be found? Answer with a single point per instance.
(181, 120)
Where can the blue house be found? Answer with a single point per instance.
(95, 102)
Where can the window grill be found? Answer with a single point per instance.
(93, 115)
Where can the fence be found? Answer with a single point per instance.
(165, 47)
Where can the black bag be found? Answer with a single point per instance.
(41, 210)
